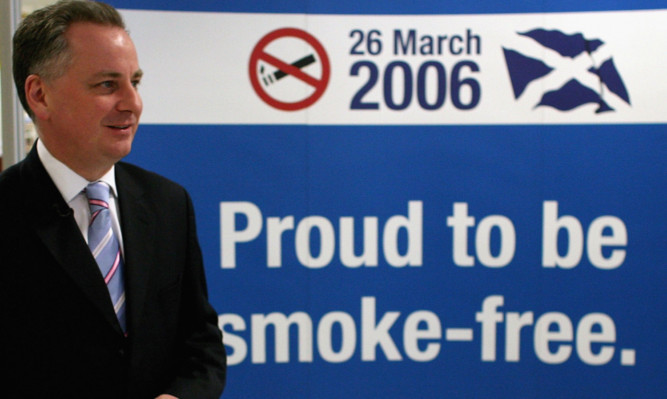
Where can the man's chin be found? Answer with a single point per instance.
(119, 151)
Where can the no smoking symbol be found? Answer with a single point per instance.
(282, 82)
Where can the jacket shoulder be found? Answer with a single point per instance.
(137, 179)
(142, 176)
(10, 184)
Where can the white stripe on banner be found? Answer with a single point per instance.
(554, 68)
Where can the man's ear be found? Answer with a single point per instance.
(35, 93)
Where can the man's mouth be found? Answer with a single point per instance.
(119, 127)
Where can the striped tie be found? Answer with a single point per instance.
(104, 246)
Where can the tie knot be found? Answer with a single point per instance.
(98, 191)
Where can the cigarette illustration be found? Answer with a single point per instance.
(277, 75)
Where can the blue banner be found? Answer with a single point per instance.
(419, 200)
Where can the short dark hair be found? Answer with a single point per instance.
(40, 46)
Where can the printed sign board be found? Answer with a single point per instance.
(414, 201)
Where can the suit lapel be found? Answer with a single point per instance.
(52, 220)
(136, 218)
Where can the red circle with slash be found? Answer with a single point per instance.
(319, 85)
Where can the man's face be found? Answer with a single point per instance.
(93, 109)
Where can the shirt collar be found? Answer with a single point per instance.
(68, 182)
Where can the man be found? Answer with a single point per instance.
(127, 317)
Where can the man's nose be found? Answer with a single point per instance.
(130, 99)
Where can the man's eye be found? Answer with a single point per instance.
(107, 84)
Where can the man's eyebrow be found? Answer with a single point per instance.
(112, 74)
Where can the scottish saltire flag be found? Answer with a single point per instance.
(587, 74)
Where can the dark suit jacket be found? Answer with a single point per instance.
(59, 336)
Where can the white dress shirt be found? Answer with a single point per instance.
(71, 187)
